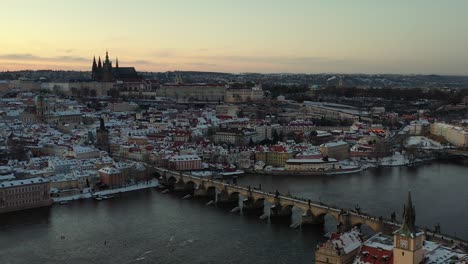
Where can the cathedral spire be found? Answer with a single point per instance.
(94, 63)
(408, 226)
(107, 56)
(102, 126)
(99, 63)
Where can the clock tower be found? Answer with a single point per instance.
(407, 241)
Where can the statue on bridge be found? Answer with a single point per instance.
(358, 209)
(393, 216)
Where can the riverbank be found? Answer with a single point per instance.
(139, 186)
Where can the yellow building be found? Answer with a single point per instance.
(457, 136)
(275, 156)
(311, 165)
(338, 150)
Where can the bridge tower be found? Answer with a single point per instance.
(407, 241)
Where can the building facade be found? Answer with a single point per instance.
(337, 150)
(457, 136)
(24, 194)
(185, 162)
(244, 95)
(340, 248)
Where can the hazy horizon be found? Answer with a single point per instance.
(310, 37)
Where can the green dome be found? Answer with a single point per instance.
(39, 98)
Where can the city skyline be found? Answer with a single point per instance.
(264, 36)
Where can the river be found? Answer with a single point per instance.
(151, 227)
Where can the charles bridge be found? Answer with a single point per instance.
(281, 206)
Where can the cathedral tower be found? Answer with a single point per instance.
(408, 241)
(102, 135)
(94, 71)
(107, 69)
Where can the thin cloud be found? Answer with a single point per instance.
(202, 64)
(19, 56)
(32, 57)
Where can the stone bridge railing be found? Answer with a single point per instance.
(312, 212)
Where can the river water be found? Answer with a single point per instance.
(150, 227)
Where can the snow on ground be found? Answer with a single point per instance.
(396, 159)
(423, 142)
(138, 186)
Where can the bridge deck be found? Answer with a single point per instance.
(305, 202)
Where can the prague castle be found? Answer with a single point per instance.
(104, 72)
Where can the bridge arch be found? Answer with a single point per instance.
(259, 201)
(211, 190)
(234, 195)
(171, 180)
(191, 185)
(287, 209)
(365, 223)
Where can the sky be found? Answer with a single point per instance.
(267, 36)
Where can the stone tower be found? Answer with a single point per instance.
(102, 135)
(408, 241)
(94, 71)
(107, 69)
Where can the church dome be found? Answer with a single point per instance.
(39, 98)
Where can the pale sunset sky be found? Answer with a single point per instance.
(268, 36)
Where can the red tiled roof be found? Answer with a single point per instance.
(375, 255)
(277, 148)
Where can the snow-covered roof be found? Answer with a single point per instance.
(110, 170)
(184, 158)
(347, 241)
(334, 144)
(81, 149)
(445, 255)
(302, 161)
(37, 180)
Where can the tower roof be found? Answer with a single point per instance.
(94, 63)
(102, 126)
(107, 57)
(408, 227)
(99, 62)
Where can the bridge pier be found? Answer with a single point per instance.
(279, 213)
(200, 192)
(180, 186)
(309, 219)
(344, 220)
(250, 206)
(225, 200)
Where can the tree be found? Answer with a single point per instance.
(85, 92)
(281, 136)
(114, 93)
(93, 93)
(16, 149)
(241, 114)
(74, 91)
(275, 136)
